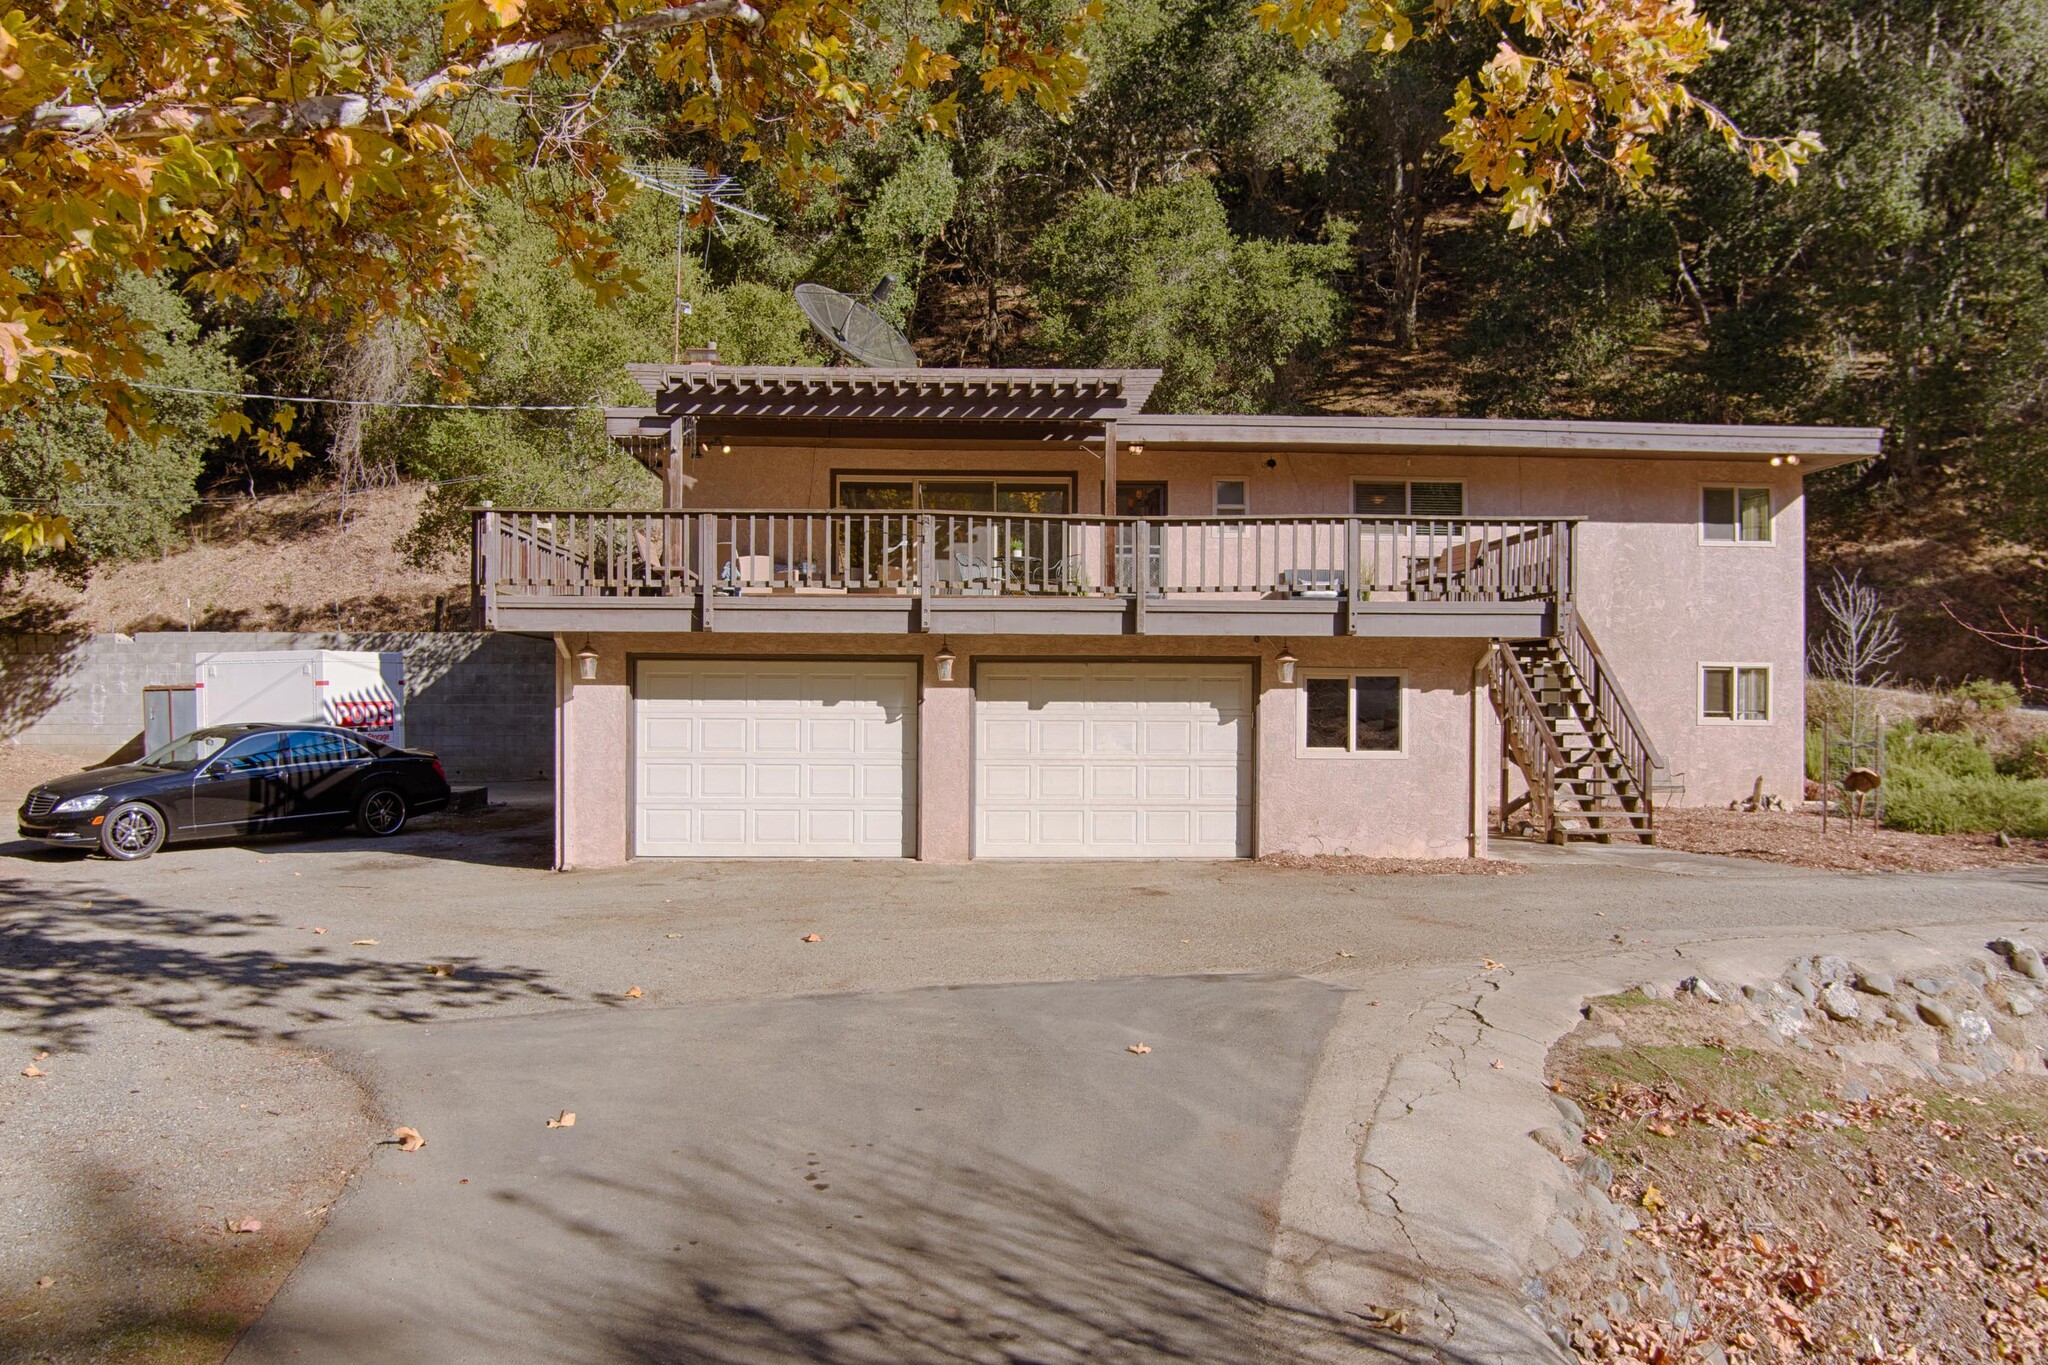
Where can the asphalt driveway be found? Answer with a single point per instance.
(919, 1137)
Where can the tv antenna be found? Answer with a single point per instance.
(691, 187)
(854, 328)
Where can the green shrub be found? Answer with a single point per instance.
(2029, 760)
(1989, 696)
(1949, 784)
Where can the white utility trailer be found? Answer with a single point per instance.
(353, 689)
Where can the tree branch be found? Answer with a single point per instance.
(152, 118)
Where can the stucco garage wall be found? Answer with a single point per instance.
(1411, 804)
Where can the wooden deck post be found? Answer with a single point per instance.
(1354, 592)
(707, 565)
(1109, 506)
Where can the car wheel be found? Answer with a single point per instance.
(134, 830)
(380, 811)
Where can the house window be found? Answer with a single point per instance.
(1735, 516)
(1352, 713)
(1230, 498)
(1016, 497)
(1735, 692)
(1417, 498)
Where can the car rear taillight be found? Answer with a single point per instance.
(439, 771)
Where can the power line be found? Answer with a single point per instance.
(348, 402)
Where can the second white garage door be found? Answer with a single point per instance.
(759, 759)
(1100, 760)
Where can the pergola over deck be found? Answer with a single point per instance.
(709, 405)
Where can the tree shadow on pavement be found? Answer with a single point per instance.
(70, 957)
(892, 1258)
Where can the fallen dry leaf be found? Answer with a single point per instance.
(362, 943)
(245, 1225)
(1653, 1198)
(1499, 1065)
(33, 1070)
(440, 969)
(409, 1139)
(41, 1057)
(1345, 952)
(318, 930)
(634, 994)
(565, 1119)
(44, 1281)
(814, 938)
(1386, 1319)
(671, 935)
(1492, 966)
(1663, 1130)
(1139, 1048)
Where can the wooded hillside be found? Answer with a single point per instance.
(1280, 226)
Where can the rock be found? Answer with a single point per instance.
(1979, 974)
(1596, 1171)
(1832, 968)
(1876, 983)
(1604, 1040)
(1618, 1304)
(1928, 985)
(1901, 1013)
(1573, 1116)
(1973, 1028)
(1803, 987)
(1566, 1237)
(1937, 1014)
(2022, 957)
(1788, 1022)
(1552, 1139)
(1653, 990)
(1855, 1092)
(1992, 1062)
(1962, 1074)
(2002, 839)
(1604, 1209)
(1713, 1355)
(1597, 1324)
(1837, 1001)
(2020, 1006)
(1702, 988)
(1615, 1245)
(1755, 995)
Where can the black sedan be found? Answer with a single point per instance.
(237, 779)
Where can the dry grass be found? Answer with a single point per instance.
(296, 561)
(1394, 867)
(1794, 838)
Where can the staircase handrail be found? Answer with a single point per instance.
(1612, 705)
(1523, 723)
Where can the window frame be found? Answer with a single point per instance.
(1243, 504)
(1407, 487)
(1349, 677)
(917, 478)
(1738, 489)
(1735, 672)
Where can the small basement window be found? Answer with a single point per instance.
(1357, 713)
(1740, 692)
(1230, 498)
(1735, 516)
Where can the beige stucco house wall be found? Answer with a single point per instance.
(1426, 801)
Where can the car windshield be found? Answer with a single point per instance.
(189, 752)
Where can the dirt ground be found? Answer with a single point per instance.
(1802, 1214)
(1395, 867)
(21, 767)
(1795, 838)
(296, 561)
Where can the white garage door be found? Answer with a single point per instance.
(1112, 760)
(755, 759)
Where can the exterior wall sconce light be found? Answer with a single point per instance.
(1286, 662)
(586, 662)
(945, 661)
(1777, 460)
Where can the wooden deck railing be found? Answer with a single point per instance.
(1529, 740)
(539, 553)
(1625, 729)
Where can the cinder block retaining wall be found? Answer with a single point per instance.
(484, 703)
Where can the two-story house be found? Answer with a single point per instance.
(952, 614)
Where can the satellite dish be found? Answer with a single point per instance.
(854, 328)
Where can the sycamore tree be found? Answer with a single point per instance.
(274, 151)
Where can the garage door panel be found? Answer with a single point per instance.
(775, 759)
(1162, 754)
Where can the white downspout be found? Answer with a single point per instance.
(564, 688)
(1475, 802)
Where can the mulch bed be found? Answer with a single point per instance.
(1795, 838)
(1394, 867)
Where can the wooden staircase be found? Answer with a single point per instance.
(1566, 724)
